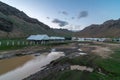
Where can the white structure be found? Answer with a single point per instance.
(56, 38)
(92, 39)
(38, 37)
(81, 39)
(74, 38)
(44, 37)
(32, 37)
(116, 39)
(81, 68)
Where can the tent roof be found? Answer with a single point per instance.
(38, 37)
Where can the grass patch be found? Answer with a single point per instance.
(13, 44)
(78, 75)
(11, 47)
(86, 60)
(65, 75)
(112, 64)
(111, 67)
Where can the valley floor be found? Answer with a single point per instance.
(102, 58)
(82, 61)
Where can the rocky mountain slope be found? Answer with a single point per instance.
(15, 23)
(110, 28)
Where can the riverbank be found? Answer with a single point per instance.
(31, 50)
(89, 55)
(103, 58)
(7, 65)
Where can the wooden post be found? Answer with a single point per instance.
(23, 42)
(13, 43)
(18, 43)
(0, 43)
(7, 43)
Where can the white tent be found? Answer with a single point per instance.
(56, 38)
(32, 37)
(38, 37)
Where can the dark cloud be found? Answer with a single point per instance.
(48, 17)
(72, 18)
(82, 14)
(60, 22)
(63, 12)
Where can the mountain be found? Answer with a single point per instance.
(66, 32)
(110, 28)
(15, 23)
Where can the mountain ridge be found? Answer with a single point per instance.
(21, 25)
(110, 28)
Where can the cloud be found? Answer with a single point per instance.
(60, 22)
(77, 27)
(82, 14)
(63, 12)
(48, 17)
(72, 18)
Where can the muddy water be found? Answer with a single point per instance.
(7, 65)
(31, 67)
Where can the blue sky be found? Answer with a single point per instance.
(46, 11)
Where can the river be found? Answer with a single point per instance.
(32, 66)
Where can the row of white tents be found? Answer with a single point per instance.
(96, 39)
(44, 37)
(90, 39)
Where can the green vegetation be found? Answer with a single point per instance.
(65, 75)
(110, 68)
(10, 44)
(111, 65)
(13, 44)
(87, 60)
(76, 75)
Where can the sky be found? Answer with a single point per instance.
(69, 14)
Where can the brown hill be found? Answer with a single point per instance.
(110, 28)
(15, 23)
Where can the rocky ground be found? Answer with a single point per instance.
(22, 52)
(72, 50)
(67, 48)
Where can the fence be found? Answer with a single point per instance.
(16, 43)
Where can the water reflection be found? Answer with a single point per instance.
(31, 67)
(10, 64)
